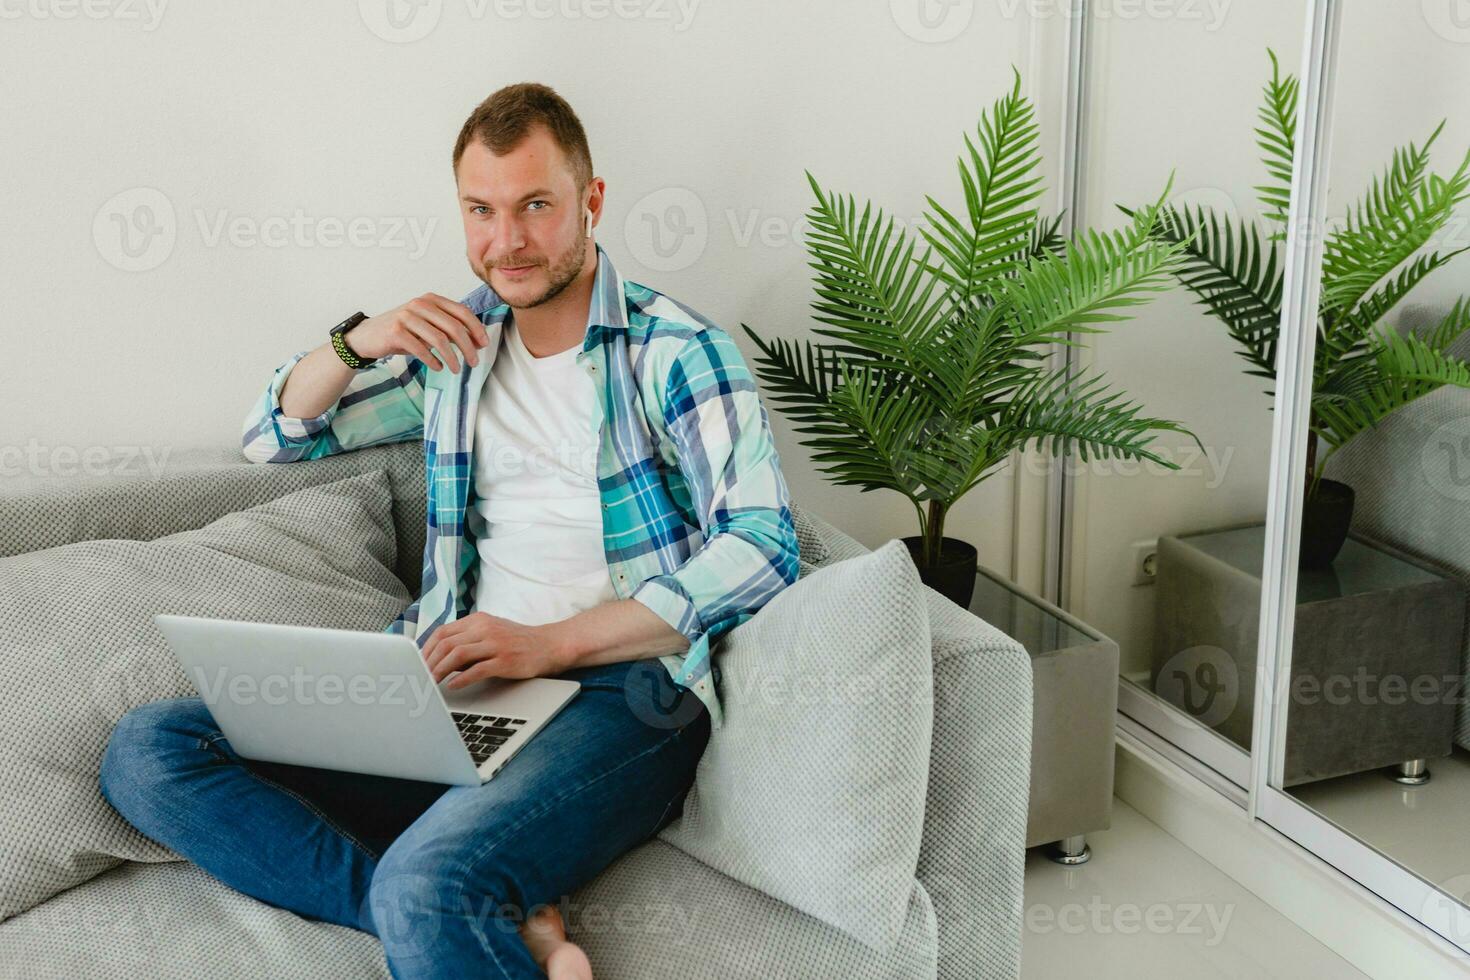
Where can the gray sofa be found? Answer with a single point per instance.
(171, 919)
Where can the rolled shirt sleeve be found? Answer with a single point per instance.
(721, 436)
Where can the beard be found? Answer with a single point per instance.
(562, 271)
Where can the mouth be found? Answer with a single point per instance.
(514, 271)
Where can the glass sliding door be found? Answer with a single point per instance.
(1364, 659)
(1168, 561)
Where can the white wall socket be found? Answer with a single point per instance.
(1145, 561)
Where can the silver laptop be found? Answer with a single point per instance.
(355, 701)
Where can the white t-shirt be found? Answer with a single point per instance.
(535, 470)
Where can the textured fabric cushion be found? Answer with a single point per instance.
(813, 791)
(81, 649)
(657, 914)
(139, 498)
(174, 921)
(643, 918)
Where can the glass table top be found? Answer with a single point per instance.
(1359, 568)
(1034, 627)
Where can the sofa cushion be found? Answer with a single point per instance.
(81, 649)
(813, 791)
(657, 914)
(653, 914)
(175, 921)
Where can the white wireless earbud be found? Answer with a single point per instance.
(589, 222)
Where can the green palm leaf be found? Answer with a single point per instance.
(933, 369)
(1277, 139)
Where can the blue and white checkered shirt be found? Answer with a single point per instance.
(697, 523)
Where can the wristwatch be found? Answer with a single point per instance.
(339, 342)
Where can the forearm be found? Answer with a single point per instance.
(623, 629)
(315, 383)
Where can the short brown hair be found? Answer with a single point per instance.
(503, 120)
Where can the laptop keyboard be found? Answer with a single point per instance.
(484, 734)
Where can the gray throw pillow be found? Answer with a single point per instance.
(813, 790)
(81, 649)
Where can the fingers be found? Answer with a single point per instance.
(439, 643)
(461, 658)
(417, 342)
(445, 322)
(430, 327)
(479, 336)
(482, 670)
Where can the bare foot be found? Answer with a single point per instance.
(545, 935)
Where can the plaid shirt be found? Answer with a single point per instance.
(696, 513)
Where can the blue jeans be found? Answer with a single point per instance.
(442, 875)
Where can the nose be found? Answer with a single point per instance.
(507, 237)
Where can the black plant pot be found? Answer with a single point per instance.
(1325, 521)
(953, 575)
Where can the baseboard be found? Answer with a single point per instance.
(1372, 935)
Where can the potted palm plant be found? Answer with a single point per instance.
(937, 369)
(1364, 368)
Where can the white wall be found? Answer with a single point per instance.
(184, 116)
(1181, 94)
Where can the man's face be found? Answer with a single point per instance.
(523, 219)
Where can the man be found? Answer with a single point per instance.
(662, 522)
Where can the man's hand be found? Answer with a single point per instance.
(426, 322)
(481, 645)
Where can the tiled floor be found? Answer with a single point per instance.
(1146, 906)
